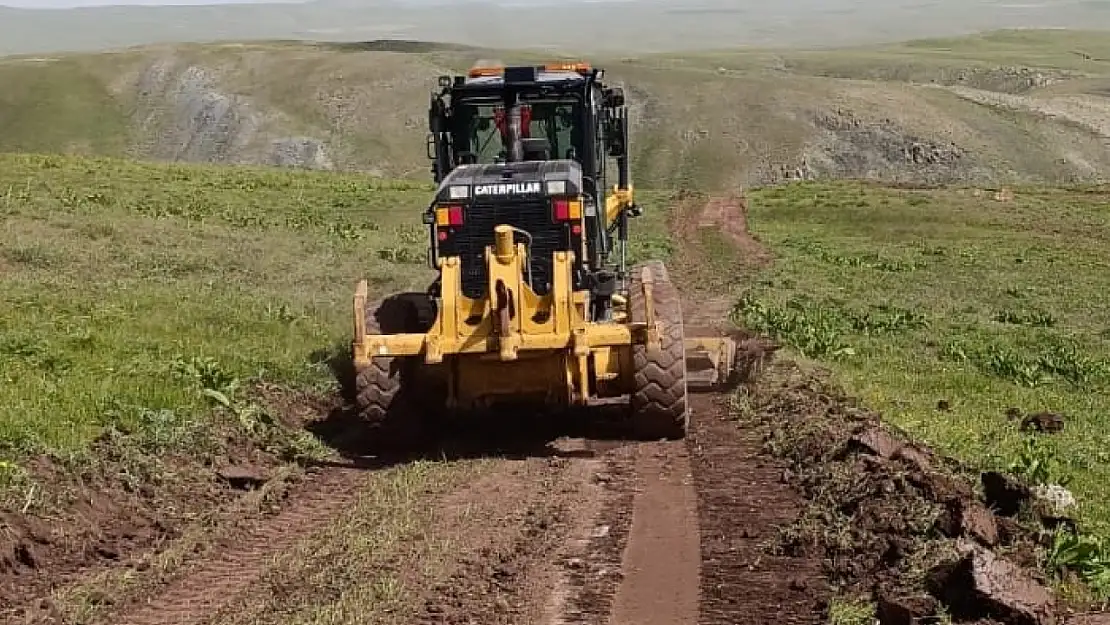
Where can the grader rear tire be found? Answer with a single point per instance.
(660, 408)
(383, 397)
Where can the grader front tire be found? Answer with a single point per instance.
(660, 407)
(381, 398)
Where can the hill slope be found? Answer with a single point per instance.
(994, 108)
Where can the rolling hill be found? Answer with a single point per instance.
(997, 108)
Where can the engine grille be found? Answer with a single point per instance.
(532, 215)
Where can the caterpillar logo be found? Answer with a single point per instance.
(515, 188)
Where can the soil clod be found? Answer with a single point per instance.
(905, 610)
(982, 585)
(1004, 494)
(1043, 422)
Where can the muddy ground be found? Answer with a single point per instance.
(785, 503)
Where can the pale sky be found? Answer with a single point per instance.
(64, 4)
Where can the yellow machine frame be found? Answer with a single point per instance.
(514, 323)
(571, 361)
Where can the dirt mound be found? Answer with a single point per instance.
(894, 523)
(132, 496)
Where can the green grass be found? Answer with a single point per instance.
(127, 288)
(116, 277)
(913, 297)
(58, 107)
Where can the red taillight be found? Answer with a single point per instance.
(442, 235)
(576, 229)
(566, 209)
(451, 215)
(562, 210)
(454, 215)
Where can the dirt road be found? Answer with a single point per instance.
(523, 527)
(580, 532)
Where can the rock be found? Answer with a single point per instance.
(1044, 422)
(1003, 493)
(905, 610)
(981, 585)
(241, 477)
(968, 518)
(1057, 499)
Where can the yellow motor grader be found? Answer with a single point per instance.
(534, 301)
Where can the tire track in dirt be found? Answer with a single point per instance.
(549, 551)
(661, 561)
(208, 585)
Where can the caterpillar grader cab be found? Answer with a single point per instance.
(534, 301)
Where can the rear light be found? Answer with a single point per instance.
(566, 210)
(451, 215)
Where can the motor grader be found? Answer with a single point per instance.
(534, 302)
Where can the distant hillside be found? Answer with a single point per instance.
(993, 108)
(589, 25)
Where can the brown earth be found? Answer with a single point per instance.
(769, 519)
(730, 214)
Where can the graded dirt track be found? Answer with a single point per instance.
(524, 525)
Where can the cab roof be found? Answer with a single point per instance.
(556, 72)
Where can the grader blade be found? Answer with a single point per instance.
(710, 362)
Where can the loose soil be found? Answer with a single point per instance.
(742, 503)
(784, 499)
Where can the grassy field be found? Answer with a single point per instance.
(122, 283)
(922, 298)
(127, 288)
